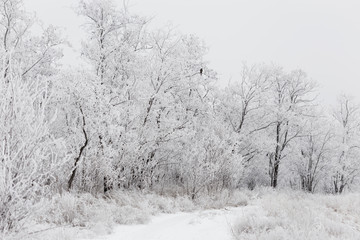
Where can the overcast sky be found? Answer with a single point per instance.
(322, 37)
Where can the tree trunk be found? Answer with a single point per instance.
(274, 175)
(77, 159)
(275, 165)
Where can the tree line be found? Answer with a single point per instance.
(148, 115)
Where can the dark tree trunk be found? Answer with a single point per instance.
(274, 181)
(274, 165)
(77, 159)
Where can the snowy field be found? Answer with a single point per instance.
(208, 224)
(264, 214)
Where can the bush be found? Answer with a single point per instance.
(30, 156)
(296, 215)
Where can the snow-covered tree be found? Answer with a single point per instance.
(315, 152)
(23, 52)
(30, 156)
(346, 165)
(289, 98)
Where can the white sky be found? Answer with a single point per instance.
(322, 37)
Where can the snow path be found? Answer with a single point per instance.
(201, 225)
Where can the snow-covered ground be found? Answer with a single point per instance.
(208, 224)
(264, 214)
(274, 215)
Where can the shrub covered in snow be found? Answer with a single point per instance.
(296, 215)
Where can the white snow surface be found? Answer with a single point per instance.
(208, 224)
(264, 215)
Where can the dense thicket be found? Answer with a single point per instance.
(148, 116)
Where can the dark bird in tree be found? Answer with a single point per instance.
(201, 71)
